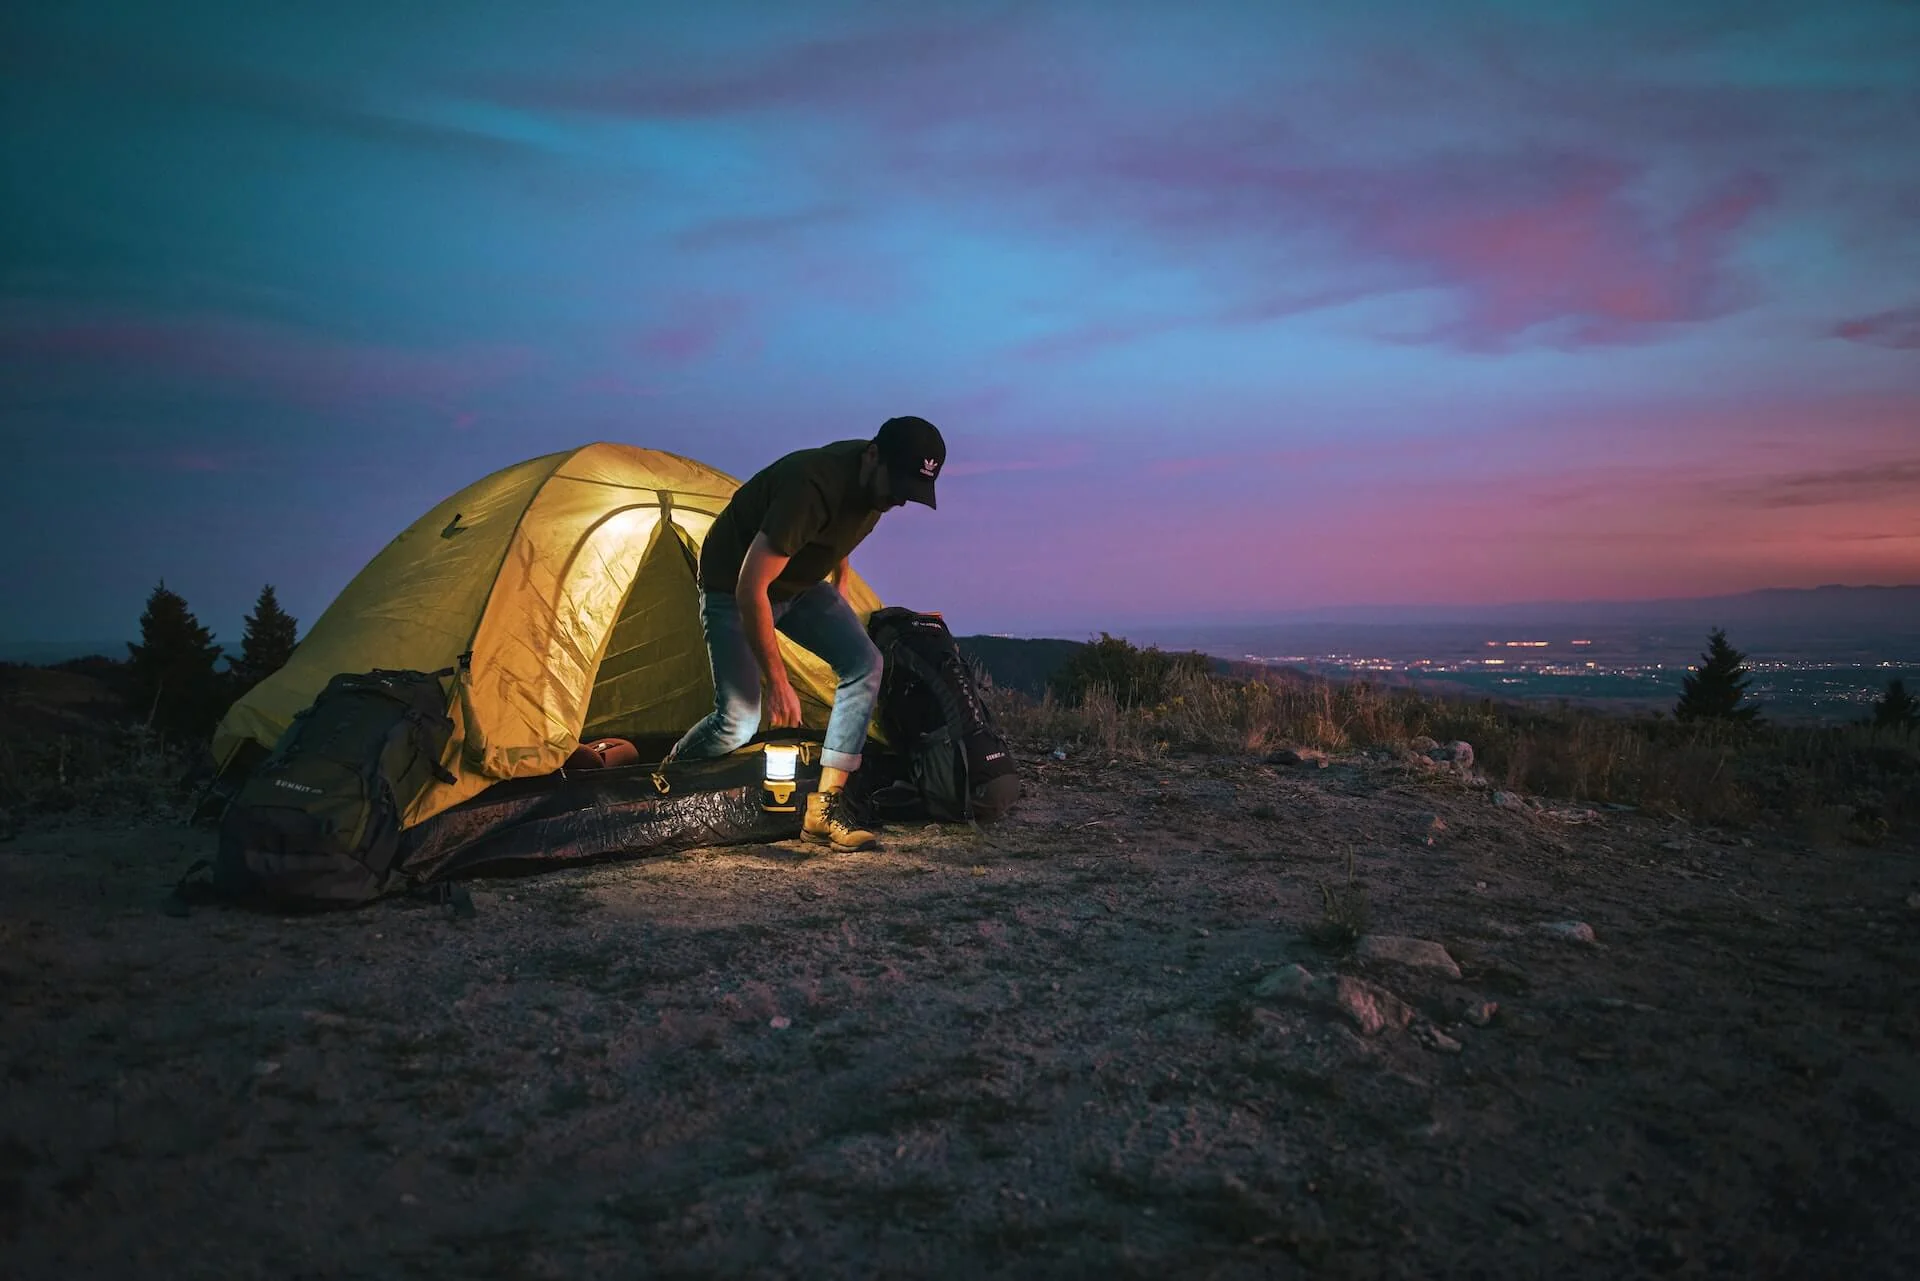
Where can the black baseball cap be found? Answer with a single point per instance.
(914, 453)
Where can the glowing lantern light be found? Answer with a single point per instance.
(779, 785)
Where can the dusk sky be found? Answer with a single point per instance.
(1226, 309)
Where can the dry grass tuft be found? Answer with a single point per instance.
(116, 771)
(1711, 772)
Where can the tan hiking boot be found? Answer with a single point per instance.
(830, 818)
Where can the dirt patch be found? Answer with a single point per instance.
(1072, 1048)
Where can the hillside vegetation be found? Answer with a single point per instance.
(71, 741)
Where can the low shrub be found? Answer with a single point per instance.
(1712, 771)
(118, 771)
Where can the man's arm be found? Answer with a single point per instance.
(839, 577)
(761, 566)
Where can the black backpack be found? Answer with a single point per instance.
(954, 758)
(318, 821)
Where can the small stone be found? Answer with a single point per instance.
(1292, 981)
(1059, 755)
(1571, 931)
(1509, 801)
(1480, 1013)
(408, 1198)
(1371, 1008)
(779, 1022)
(1913, 902)
(1417, 954)
(265, 1067)
(1434, 1039)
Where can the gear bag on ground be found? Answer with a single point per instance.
(931, 713)
(319, 820)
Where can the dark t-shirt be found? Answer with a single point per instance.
(811, 507)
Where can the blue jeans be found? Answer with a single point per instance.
(818, 620)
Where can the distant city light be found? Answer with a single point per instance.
(1526, 644)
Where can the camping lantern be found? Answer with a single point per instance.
(777, 791)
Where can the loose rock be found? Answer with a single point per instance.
(1571, 931)
(1417, 954)
(1509, 801)
(1291, 981)
(1457, 754)
(1480, 1013)
(1434, 1039)
(1371, 1008)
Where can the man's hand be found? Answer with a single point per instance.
(783, 705)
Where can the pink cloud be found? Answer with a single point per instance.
(1898, 329)
(246, 356)
(1569, 247)
(1519, 239)
(698, 326)
(1541, 193)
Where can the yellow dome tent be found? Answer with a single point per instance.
(568, 582)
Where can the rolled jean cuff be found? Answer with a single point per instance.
(848, 761)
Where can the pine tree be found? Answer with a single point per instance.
(267, 643)
(1713, 693)
(1897, 709)
(171, 671)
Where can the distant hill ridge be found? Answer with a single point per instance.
(1832, 608)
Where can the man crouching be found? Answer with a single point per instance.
(775, 559)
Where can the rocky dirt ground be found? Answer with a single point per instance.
(1108, 1040)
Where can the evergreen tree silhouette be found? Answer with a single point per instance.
(1897, 709)
(171, 671)
(1714, 692)
(267, 643)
